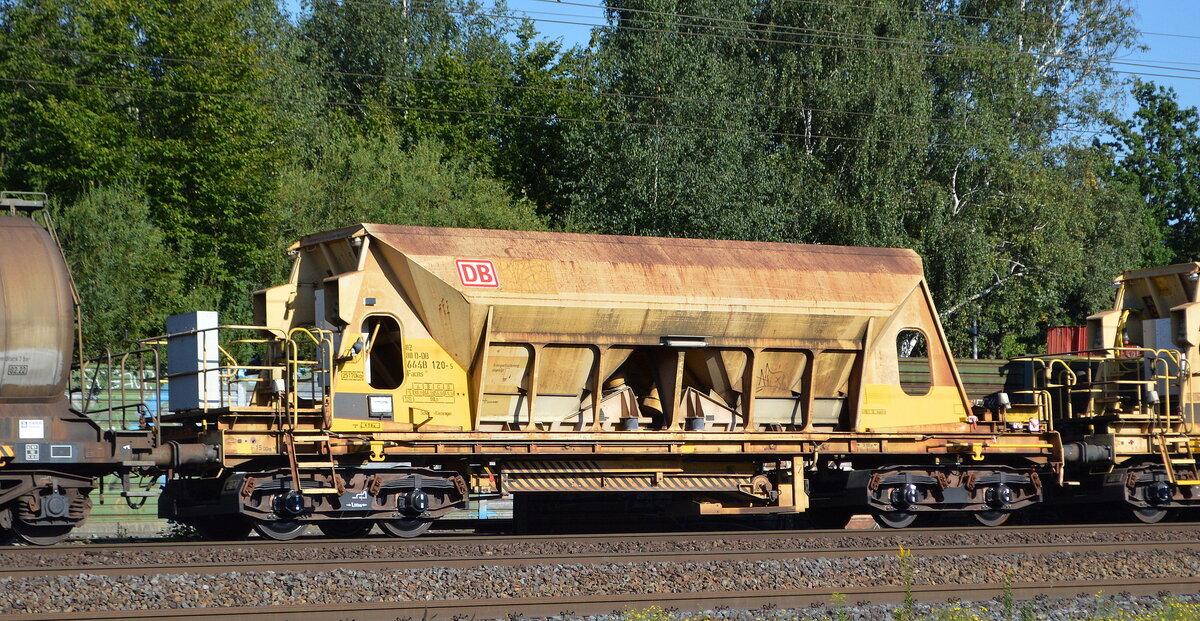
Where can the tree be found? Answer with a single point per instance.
(678, 146)
(379, 179)
(209, 143)
(121, 265)
(62, 131)
(1157, 152)
(474, 80)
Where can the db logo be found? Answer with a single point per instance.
(477, 273)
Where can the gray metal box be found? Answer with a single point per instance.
(193, 361)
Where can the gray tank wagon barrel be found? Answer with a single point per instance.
(51, 451)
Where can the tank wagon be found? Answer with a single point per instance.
(1126, 407)
(401, 369)
(50, 451)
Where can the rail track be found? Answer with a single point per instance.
(543, 607)
(99, 565)
(488, 551)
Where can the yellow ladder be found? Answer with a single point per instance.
(1170, 462)
(295, 464)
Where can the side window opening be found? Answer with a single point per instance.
(912, 356)
(385, 352)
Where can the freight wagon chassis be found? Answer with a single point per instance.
(899, 496)
(1153, 492)
(346, 502)
(41, 507)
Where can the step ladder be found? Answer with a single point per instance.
(291, 437)
(1169, 461)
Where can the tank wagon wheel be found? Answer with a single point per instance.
(895, 519)
(41, 535)
(991, 518)
(280, 530)
(405, 527)
(7, 536)
(1150, 515)
(346, 529)
(222, 528)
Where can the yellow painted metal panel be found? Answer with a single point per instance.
(889, 407)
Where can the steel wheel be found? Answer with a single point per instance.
(1150, 515)
(7, 536)
(222, 527)
(831, 519)
(41, 534)
(280, 530)
(406, 527)
(346, 529)
(895, 519)
(991, 518)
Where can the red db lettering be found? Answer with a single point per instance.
(477, 273)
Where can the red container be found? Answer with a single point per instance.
(1064, 339)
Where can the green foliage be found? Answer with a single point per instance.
(1158, 155)
(123, 270)
(362, 179)
(232, 130)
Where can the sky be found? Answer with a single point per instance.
(1179, 17)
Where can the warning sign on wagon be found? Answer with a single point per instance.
(477, 273)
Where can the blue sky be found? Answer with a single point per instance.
(1181, 17)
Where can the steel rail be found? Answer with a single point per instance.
(519, 607)
(587, 558)
(435, 539)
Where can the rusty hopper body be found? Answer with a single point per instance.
(409, 367)
(508, 331)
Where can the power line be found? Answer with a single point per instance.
(470, 83)
(554, 119)
(1168, 34)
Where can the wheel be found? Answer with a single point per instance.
(991, 518)
(895, 519)
(280, 530)
(41, 535)
(346, 529)
(406, 527)
(1150, 515)
(7, 536)
(831, 519)
(222, 527)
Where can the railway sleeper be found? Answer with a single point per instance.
(402, 501)
(900, 496)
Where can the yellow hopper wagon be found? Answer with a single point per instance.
(402, 370)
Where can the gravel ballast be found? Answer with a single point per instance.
(89, 593)
(375, 549)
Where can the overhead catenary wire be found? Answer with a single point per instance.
(469, 83)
